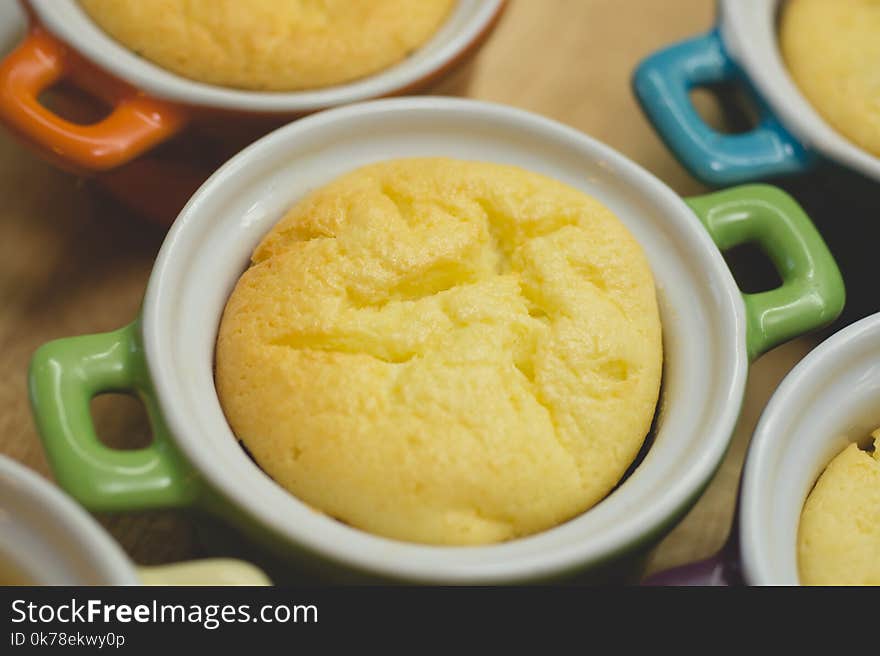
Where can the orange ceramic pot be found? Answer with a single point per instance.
(161, 134)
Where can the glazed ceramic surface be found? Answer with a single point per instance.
(791, 137)
(66, 20)
(47, 539)
(51, 539)
(711, 331)
(149, 106)
(13, 23)
(830, 399)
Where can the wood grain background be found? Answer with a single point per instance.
(73, 262)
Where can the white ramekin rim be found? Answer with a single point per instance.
(827, 401)
(749, 31)
(13, 23)
(67, 21)
(198, 229)
(55, 540)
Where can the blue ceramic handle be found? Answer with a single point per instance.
(662, 84)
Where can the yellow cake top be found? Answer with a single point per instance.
(839, 533)
(272, 45)
(832, 49)
(443, 351)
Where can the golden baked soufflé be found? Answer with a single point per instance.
(443, 351)
(839, 532)
(832, 49)
(271, 45)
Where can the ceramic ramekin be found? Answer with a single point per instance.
(711, 332)
(150, 105)
(50, 540)
(790, 137)
(830, 399)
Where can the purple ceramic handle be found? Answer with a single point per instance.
(723, 569)
(719, 569)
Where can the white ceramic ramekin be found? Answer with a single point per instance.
(711, 330)
(791, 137)
(50, 540)
(468, 23)
(830, 399)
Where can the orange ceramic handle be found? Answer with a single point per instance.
(135, 124)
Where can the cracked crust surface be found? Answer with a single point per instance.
(271, 45)
(839, 531)
(832, 49)
(443, 351)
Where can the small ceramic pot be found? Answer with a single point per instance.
(47, 539)
(711, 332)
(790, 137)
(829, 400)
(150, 105)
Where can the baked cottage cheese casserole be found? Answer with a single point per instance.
(839, 532)
(443, 351)
(271, 45)
(832, 49)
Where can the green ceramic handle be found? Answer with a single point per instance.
(64, 377)
(812, 294)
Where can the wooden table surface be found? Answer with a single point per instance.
(72, 262)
